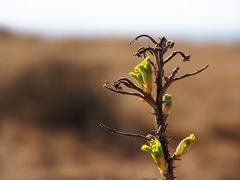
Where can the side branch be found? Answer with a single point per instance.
(128, 83)
(123, 92)
(191, 74)
(144, 35)
(169, 80)
(184, 57)
(143, 50)
(123, 133)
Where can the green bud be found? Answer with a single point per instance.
(184, 145)
(167, 104)
(143, 75)
(155, 149)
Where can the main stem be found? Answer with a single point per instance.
(161, 120)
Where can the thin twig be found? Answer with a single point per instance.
(123, 133)
(128, 83)
(184, 57)
(123, 92)
(191, 74)
(143, 50)
(143, 35)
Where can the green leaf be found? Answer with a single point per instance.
(143, 75)
(155, 149)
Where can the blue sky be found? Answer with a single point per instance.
(187, 18)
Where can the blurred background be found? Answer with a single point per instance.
(56, 55)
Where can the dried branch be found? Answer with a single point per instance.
(143, 50)
(191, 74)
(143, 35)
(170, 80)
(184, 57)
(123, 92)
(128, 83)
(123, 133)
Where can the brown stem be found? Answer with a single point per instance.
(159, 58)
(161, 122)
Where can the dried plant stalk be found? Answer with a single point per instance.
(162, 85)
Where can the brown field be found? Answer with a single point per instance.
(52, 100)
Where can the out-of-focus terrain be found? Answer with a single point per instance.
(52, 101)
